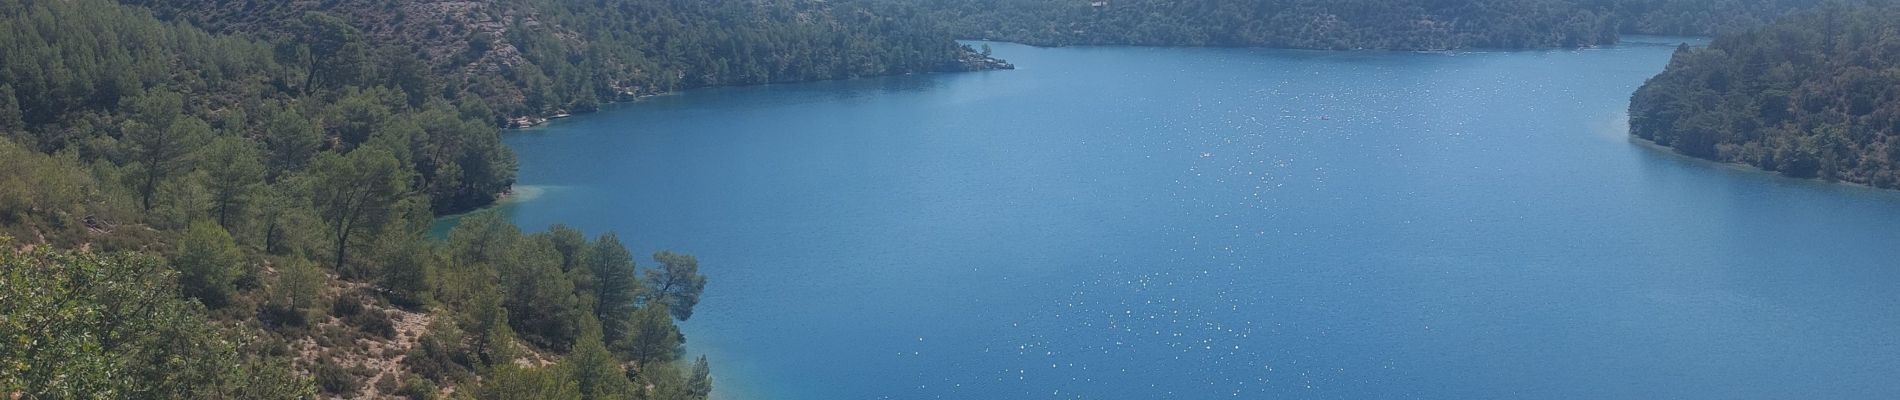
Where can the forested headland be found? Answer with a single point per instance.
(1814, 95)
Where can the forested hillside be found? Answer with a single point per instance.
(1815, 95)
(194, 215)
(1343, 24)
(532, 58)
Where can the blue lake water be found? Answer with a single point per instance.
(1151, 223)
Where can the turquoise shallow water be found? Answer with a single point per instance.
(1145, 223)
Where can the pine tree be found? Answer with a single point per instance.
(677, 283)
(616, 285)
(233, 174)
(357, 195)
(207, 263)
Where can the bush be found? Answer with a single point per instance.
(374, 322)
(207, 263)
(281, 316)
(417, 389)
(388, 384)
(334, 379)
(344, 308)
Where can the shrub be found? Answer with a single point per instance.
(417, 389)
(334, 379)
(374, 322)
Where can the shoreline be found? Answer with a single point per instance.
(1742, 167)
(440, 225)
(978, 63)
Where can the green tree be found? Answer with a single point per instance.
(574, 250)
(664, 381)
(208, 264)
(233, 175)
(290, 140)
(651, 336)
(358, 114)
(541, 299)
(10, 117)
(676, 283)
(463, 163)
(338, 54)
(284, 219)
(298, 291)
(617, 286)
(356, 196)
(408, 262)
(162, 145)
(596, 370)
(699, 385)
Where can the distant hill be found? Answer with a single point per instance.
(1344, 24)
(532, 58)
(1814, 95)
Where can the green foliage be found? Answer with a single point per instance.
(407, 269)
(209, 263)
(162, 143)
(540, 299)
(357, 195)
(616, 285)
(461, 162)
(54, 197)
(85, 325)
(298, 291)
(317, 137)
(699, 384)
(508, 282)
(597, 371)
(575, 253)
(676, 284)
(651, 336)
(540, 57)
(289, 139)
(337, 53)
(374, 322)
(63, 57)
(513, 382)
(1338, 24)
(417, 389)
(285, 224)
(665, 381)
(358, 114)
(1810, 96)
(334, 379)
(442, 354)
(71, 69)
(233, 174)
(10, 117)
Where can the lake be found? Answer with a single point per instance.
(1195, 223)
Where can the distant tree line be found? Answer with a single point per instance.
(530, 58)
(1341, 24)
(1814, 95)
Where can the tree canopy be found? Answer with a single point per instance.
(1340, 24)
(1815, 95)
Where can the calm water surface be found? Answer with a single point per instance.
(1148, 223)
